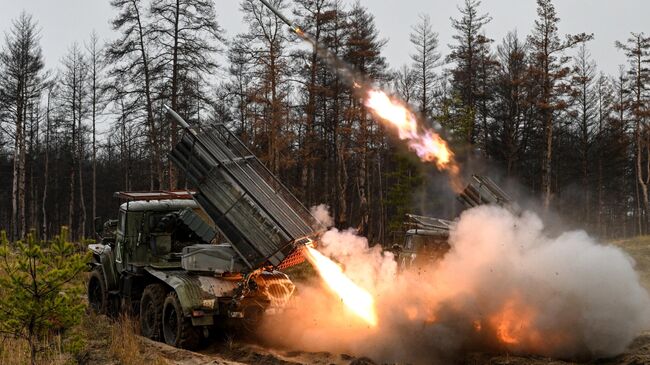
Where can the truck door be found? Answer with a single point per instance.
(120, 241)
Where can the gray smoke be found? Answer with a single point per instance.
(322, 215)
(504, 286)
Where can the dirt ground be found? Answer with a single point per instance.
(234, 352)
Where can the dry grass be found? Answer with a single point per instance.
(639, 249)
(126, 347)
(15, 351)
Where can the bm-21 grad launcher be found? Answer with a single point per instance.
(164, 259)
(259, 216)
(426, 239)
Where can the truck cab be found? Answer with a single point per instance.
(148, 233)
(163, 259)
(425, 242)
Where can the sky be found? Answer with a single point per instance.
(64, 22)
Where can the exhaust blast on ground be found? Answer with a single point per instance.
(504, 286)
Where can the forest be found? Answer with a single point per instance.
(534, 110)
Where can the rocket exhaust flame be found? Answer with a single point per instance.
(358, 300)
(505, 286)
(426, 143)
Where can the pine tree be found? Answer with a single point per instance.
(73, 98)
(332, 108)
(511, 112)
(363, 52)
(549, 70)
(21, 83)
(404, 84)
(131, 58)
(583, 110)
(239, 85)
(268, 40)
(618, 150)
(637, 49)
(38, 295)
(607, 134)
(96, 64)
(314, 17)
(190, 38)
(466, 53)
(425, 59)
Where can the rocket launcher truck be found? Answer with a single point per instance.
(426, 239)
(188, 262)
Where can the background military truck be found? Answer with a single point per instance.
(163, 261)
(426, 239)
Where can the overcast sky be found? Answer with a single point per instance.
(66, 21)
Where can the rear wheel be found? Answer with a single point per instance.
(252, 317)
(177, 329)
(151, 305)
(97, 294)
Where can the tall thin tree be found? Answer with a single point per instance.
(21, 73)
(425, 59)
(549, 69)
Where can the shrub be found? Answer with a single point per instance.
(39, 297)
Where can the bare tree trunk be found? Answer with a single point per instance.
(22, 173)
(342, 178)
(156, 163)
(642, 183)
(173, 180)
(33, 153)
(73, 153)
(94, 59)
(80, 154)
(15, 184)
(546, 169)
(547, 161)
(46, 166)
(382, 207)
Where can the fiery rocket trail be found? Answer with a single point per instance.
(358, 300)
(394, 113)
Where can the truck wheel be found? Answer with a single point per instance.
(178, 330)
(252, 317)
(97, 294)
(151, 305)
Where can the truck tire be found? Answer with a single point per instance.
(97, 293)
(151, 305)
(177, 329)
(252, 317)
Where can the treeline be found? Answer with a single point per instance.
(534, 106)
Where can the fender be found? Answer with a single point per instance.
(103, 254)
(195, 291)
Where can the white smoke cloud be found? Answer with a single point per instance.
(503, 286)
(322, 215)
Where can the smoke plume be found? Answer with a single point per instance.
(322, 215)
(503, 286)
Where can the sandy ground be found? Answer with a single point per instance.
(230, 352)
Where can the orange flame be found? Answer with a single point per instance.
(358, 300)
(427, 144)
(514, 324)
